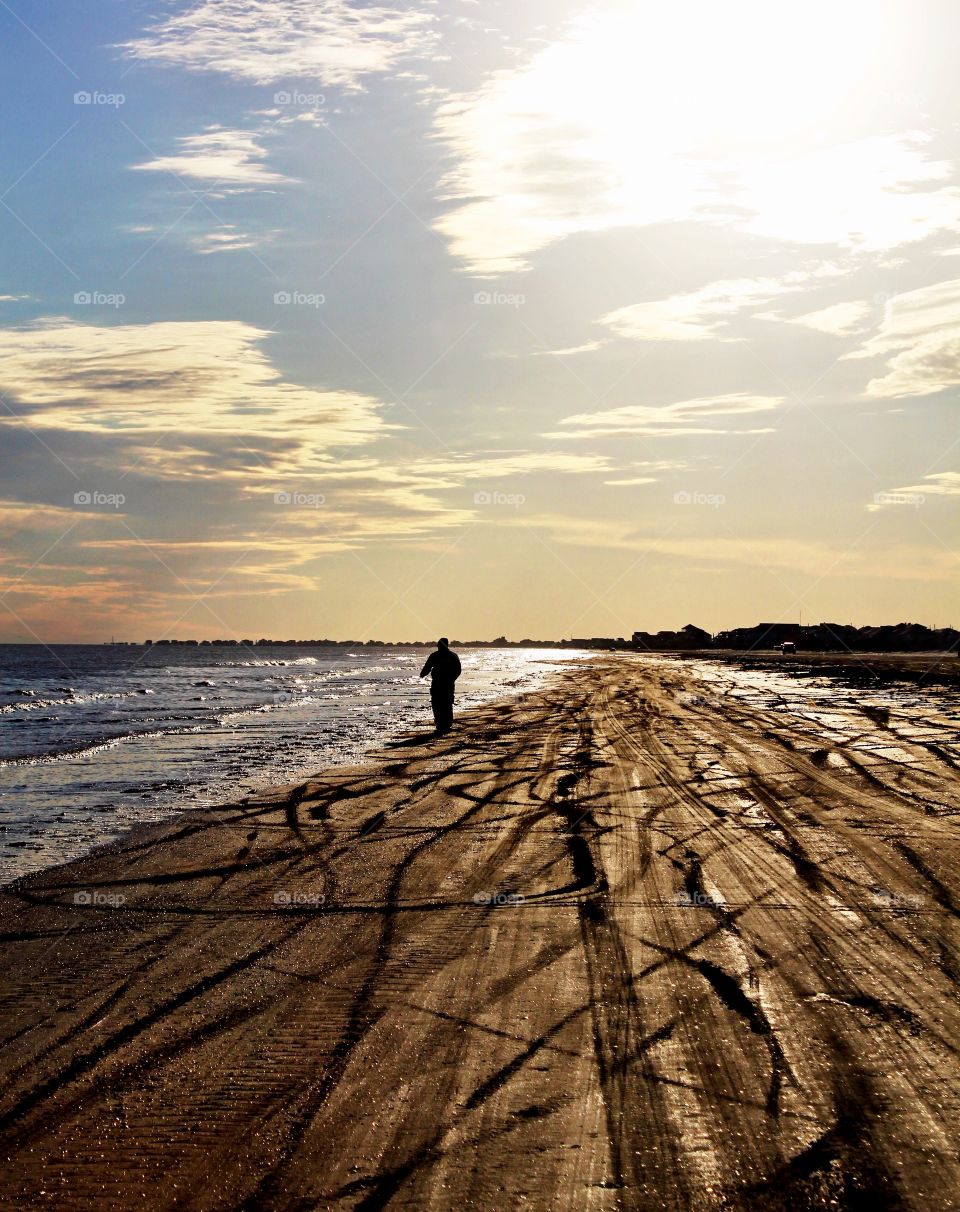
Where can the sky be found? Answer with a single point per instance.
(322, 318)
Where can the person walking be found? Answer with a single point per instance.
(444, 668)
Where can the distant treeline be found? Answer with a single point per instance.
(499, 642)
(820, 637)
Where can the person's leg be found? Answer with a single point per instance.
(442, 715)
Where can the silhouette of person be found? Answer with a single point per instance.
(444, 669)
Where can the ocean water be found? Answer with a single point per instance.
(95, 739)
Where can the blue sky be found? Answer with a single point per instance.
(329, 319)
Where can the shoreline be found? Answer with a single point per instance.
(139, 832)
(880, 670)
(85, 786)
(613, 943)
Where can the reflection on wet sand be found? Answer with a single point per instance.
(665, 934)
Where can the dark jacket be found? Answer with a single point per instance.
(443, 666)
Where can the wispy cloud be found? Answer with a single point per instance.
(226, 239)
(839, 319)
(748, 554)
(493, 464)
(697, 316)
(920, 340)
(668, 420)
(233, 157)
(188, 380)
(937, 484)
(709, 312)
(264, 41)
(638, 472)
(585, 347)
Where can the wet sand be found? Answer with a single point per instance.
(857, 668)
(655, 937)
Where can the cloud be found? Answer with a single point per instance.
(226, 239)
(586, 347)
(191, 383)
(711, 549)
(910, 563)
(942, 483)
(227, 468)
(233, 157)
(870, 195)
(264, 41)
(491, 464)
(668, 420)
(703, 314)
(840, 319)
(661, 128)
(937, 484)
(629, 478)
(18, 517)
(920, 339)
(697, 316)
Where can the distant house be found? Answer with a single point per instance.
(685, 640)
(763, 635)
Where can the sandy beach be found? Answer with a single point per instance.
(658, 936)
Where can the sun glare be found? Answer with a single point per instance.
(714, 78)
(691, 109)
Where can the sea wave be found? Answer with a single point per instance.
(92, 747)
(75, 700)
(259, 664)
